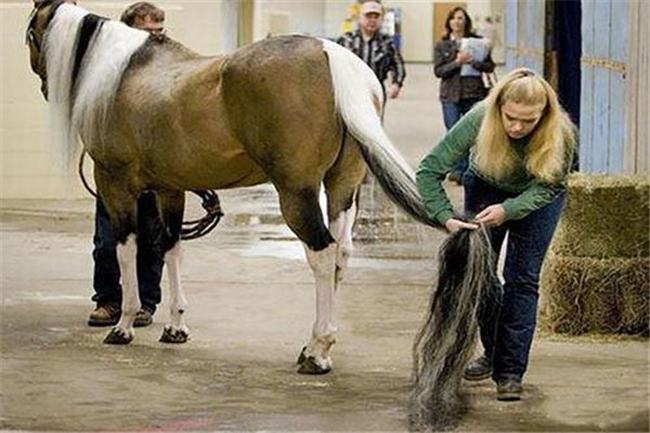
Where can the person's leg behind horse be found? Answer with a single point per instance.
(150, 256)
(106, 271)
(172, 205)
(528, 242)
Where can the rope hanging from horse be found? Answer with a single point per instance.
(191, 229)
(202, 226)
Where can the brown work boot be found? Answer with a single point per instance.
(104, 315)
(144, 317)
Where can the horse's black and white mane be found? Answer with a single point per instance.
(86, 56)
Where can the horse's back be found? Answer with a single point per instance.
(279, 99)
(169, 118)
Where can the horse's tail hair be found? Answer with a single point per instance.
(359, 99)
(467, 286)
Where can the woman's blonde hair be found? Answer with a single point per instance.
(553, 137)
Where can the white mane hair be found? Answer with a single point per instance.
(107, 56)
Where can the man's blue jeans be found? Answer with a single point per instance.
(106, 280)
(507, 333)
(452, 112)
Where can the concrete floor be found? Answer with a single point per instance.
(251, 309)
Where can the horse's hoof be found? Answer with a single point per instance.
(309, 366)
(302, 357)
(174, 336)
(118, 336)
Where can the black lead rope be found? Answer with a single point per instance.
(191, 229)
(202, 226)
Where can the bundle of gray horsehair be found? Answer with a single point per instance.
(466, 281)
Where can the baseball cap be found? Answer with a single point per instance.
(371, 7)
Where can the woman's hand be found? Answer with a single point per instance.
(492, 216)
(464, 57)
(454, 225)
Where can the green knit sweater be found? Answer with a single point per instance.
(528, 194)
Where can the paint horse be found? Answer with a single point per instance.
(295, 111)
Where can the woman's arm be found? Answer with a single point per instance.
(444, 157)
(487, 65)
(396, 64)
(444, 60)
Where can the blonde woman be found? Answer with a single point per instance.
(520, 144)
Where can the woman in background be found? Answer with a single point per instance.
(458, 94)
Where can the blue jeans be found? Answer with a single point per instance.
(508, 327)
(452, 112)
(106, 279)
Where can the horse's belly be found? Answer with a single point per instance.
(222, 172)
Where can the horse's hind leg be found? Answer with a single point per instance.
(172, 205)
(303, 214)
(342, 185)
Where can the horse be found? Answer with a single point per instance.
(296, 111)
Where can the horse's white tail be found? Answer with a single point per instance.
(357, 93)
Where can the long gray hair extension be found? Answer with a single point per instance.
(466, 280)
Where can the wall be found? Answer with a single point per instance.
(613, 88)
(637, 99)
(305, 17)
(524, 34)
(26, 161)
(417, 29)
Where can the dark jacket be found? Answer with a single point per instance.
(379, 53)
(453, 87)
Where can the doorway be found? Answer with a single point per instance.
(440, 12)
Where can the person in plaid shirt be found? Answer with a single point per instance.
(376, 49)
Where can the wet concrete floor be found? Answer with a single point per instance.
(251, 309)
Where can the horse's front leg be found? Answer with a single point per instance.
(122, 209)
(172, 206)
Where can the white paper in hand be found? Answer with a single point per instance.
(479, 50)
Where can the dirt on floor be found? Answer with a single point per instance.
(251, 309)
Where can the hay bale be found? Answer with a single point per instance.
(606, 217)
(585, 294)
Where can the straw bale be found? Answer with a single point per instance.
(596, 295)
(606, 216)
